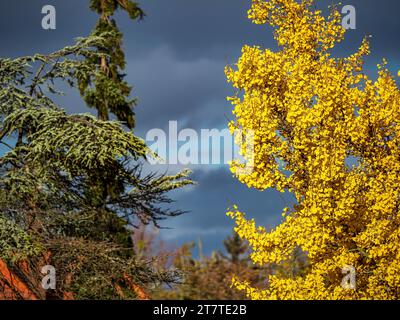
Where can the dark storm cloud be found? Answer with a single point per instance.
(192, 29)
(380, 20)
(218, 28)
(216, 190)
(176, 58)
(20, 25)
(192, 92)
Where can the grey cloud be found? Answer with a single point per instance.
(208, 28)
(207, 202)
(169, 89)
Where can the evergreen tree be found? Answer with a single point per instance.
(71, 185)
(235, 247)
(106, 89)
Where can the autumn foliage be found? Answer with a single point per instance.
(330, 135)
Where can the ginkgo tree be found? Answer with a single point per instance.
(330, 135)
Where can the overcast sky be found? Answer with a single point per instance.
(176, 60)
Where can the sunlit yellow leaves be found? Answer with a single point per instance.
(330, 135)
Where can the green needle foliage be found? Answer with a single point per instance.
(71, 185)
(106, 89)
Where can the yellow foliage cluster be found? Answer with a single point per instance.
(330, 135)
